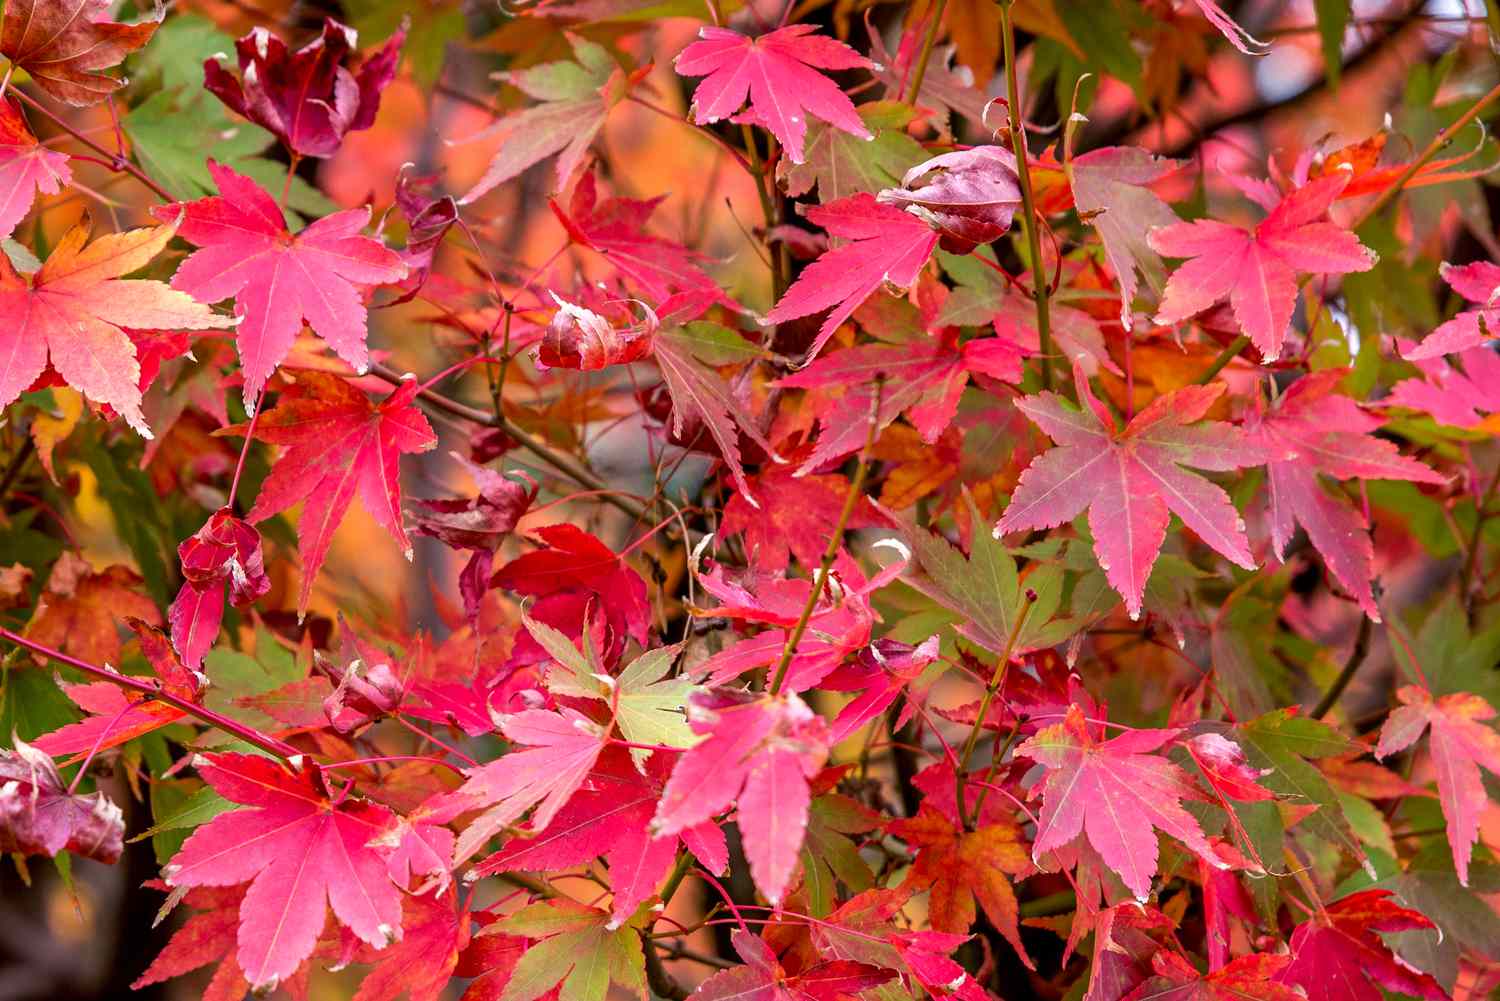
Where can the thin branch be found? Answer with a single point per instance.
(1351, 666)
(564, 464)
(271, 745)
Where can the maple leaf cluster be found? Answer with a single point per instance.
(909, 523)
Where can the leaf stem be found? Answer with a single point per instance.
(835, 543)
(271, 745)
(1030, 220)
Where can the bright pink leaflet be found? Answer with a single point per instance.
(1257, 269)
(1118, 792)
(302, 848)
(1338, 955)
(885, 244)
(1458, 397)
(26, 167)
(279, 278)
(558, 752)
(758, 754)
(1312, 429)
(779, 73)
(1479, 283)
(1461, 741)
(610, 815)
(1131, 481)
(338, 443)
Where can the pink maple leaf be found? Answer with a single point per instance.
(758, 753)
(26, 168)
(779, 73)
(885, 245)
(1479, 283)
(302, 848)
(1117, 792)
(1131, 481)
(1459, 397)
(1310, 430)
(1460, 741)
(558, 750)
(610, 816)
(277, 277)
(1256, 269)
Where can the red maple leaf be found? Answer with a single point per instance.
(301, 848)
(71, 312)
(616, 229)
(338, 442)
(477, 525)
(1311, 429)
(205, 937)
(306, 98)
(1479, 283)
(1256, 270)
(968, 196)
(26, 167)
(1338, 955)
(797, 514)
(115, 715)
(41, 815)
(277, 277)
(962, 868)
(1131, 481)
(758, 753)
(1117, 792)
(885, 245)
(779, 73)
(763, 978)
(576, 572)
(924, 378)
(225, 551)
(63, 44)
(1245, 978)
(1460, 742)
(840, 623)
(418, 967)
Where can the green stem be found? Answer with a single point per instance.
(835, 542)
(996, 680)
(914, 85)
(1030, 218)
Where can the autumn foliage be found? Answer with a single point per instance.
(757, 501)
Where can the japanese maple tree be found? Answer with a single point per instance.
(741, 501)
